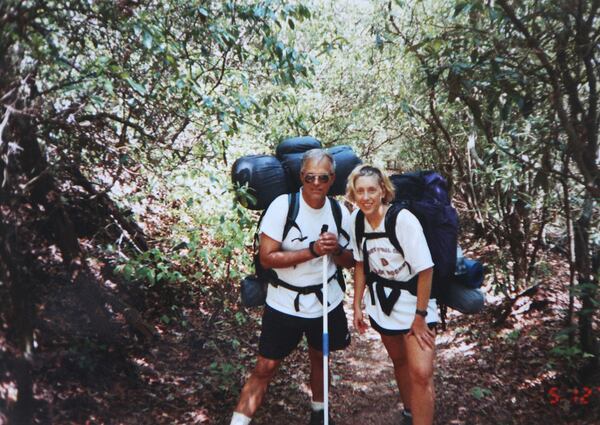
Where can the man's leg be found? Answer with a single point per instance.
(256, 386)
(339, 339)
(396, 348)
(278, 338)
(316, 374)
(422, 392)
(317, 403)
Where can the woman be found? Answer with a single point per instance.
(399, 286)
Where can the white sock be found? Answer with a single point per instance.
(317, 405)
(239, 419)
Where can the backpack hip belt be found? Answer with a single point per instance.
(306, 290)
(387, 302)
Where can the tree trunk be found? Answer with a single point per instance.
(20, 336)
(43, 190)
(587, 289)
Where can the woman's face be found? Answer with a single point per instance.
(368, 194)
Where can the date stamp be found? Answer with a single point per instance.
(576, 396)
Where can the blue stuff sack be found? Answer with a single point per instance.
(473, 274)
(463, 299)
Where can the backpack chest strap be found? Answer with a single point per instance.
(387, 301)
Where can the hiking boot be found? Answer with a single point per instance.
(318, 418)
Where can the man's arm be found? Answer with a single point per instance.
(272, 256)
(343, 258)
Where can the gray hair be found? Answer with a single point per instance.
(317, 155)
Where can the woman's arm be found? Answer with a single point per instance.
(359, 290)
(419, 329)
(424, 288)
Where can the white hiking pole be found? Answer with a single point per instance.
(325, 339)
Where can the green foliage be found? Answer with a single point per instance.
(226, 376)
(153, 267)
(480, 393)
(125, 84)
(514, 335)
(564, 352)
(210, 235)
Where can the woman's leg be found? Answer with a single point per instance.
(396, 348)
(422, 392)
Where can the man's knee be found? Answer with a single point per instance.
(265, 368)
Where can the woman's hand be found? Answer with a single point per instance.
(420, 330)
(359, 320)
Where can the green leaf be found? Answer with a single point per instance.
(137, 86)
(462, 6)
(480, 393)
(97, 100)
(147, 40)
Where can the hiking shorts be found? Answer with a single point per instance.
(392, 332)
(282, 332)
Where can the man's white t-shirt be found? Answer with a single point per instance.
(387, 262)
(310, 222)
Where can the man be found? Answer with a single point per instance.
(296, 260)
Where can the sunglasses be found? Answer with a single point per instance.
(310, 178)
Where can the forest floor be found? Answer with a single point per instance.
(193, 371)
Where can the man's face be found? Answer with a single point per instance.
(317, 177)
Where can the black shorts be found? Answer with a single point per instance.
(392, 332)
(282, 332)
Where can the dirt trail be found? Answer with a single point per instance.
(192, 374)
(483, 376)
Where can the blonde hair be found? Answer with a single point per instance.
(368, 170)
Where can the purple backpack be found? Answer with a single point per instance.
(424, 194)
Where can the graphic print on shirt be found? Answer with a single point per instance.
(385, 271)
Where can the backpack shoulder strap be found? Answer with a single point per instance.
(337, 217)
(257, 231)
(359, 228)
(292, 214)
(391, 217)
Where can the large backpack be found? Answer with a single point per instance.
(254, 288)
(424, 194)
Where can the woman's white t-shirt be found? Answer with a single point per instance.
(310, 222)
(387, 262)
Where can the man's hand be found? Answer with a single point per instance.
(326, 244)
(420, 330)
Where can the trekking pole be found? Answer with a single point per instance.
(325, 340)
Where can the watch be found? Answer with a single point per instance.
(421, 312)
(311, 248)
